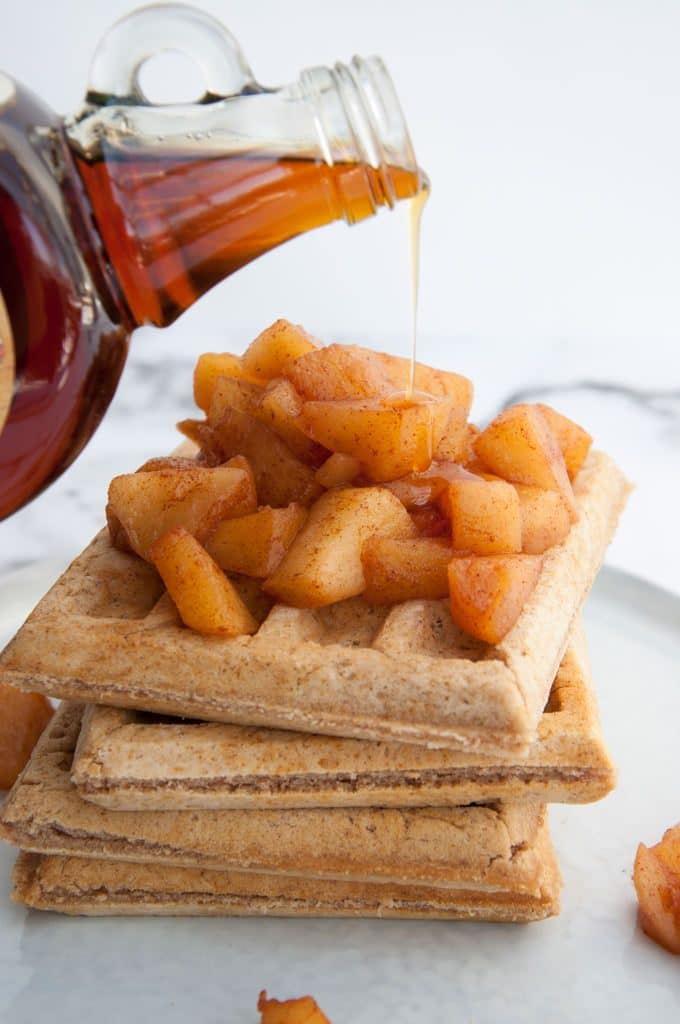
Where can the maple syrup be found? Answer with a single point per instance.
(175, 225)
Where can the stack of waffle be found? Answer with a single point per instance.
(349, 760)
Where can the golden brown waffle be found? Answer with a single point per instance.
(403, 673)
(128, 760)
(488, 848)
(73, 885)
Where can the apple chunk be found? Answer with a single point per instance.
(280, 477)
(389, 441)
(254, 545)
(211, 366)
(418, 489)
(275, 347)
(657, 883)
(324, 563)
(206, 600)
(229, 393)
(574, 441)
(485, 517)
(148, 504)
(338, 470)
(488, 592)
(338, 373)
(290, 1011)
(520, 446)
(545, 518)
(23, 716)
(280, 408)
(404, 570)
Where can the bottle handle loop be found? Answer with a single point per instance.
(159, 28)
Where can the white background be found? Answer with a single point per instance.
(551, 244)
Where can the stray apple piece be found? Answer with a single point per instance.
(206, 600)
(148, 504)
(338, 470)
(280, 477)
(545, 518)
(290, 1011)
(405, 570)
(488, 592)
(230, 393)
(454, 443)
(657, 885)
(388, 440)
(211, 366)
(520, 446)
(574, 441)
(279, 408)
(268, 355)
(23, 716)
(485, 517)
(324, 563)
(255, 544)
(429, 521)
(339, 373)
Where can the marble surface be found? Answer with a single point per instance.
(628, 396)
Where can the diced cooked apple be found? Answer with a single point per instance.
(488, 592)
(657, 883)
(230, 393)
(200, 433)
(520, 446)
(275, 347)
(280, 477)
(148, 504)
(545, 518)
(574, 441)
(23, 716)
(254, 545)
(338, 470)
(290, 1011)
(206, 600)
(418, 489)
(405, 570)
(211, 366)
(485, 517)
(279, 409)
(389, 441)
(454, 443)
(439, 383)
(167, 462)
(429, 521)
(339, 373)
(324, 563)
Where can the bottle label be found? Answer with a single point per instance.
(6, 363)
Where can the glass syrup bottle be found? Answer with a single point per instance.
(126, 213)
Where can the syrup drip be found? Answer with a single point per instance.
(415, 213)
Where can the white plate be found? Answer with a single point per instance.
(590, 964)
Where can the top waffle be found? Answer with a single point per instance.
(404, 672)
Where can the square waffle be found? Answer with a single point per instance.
(129, 760)
(402, 673)
(486, 848)
(74, 885)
